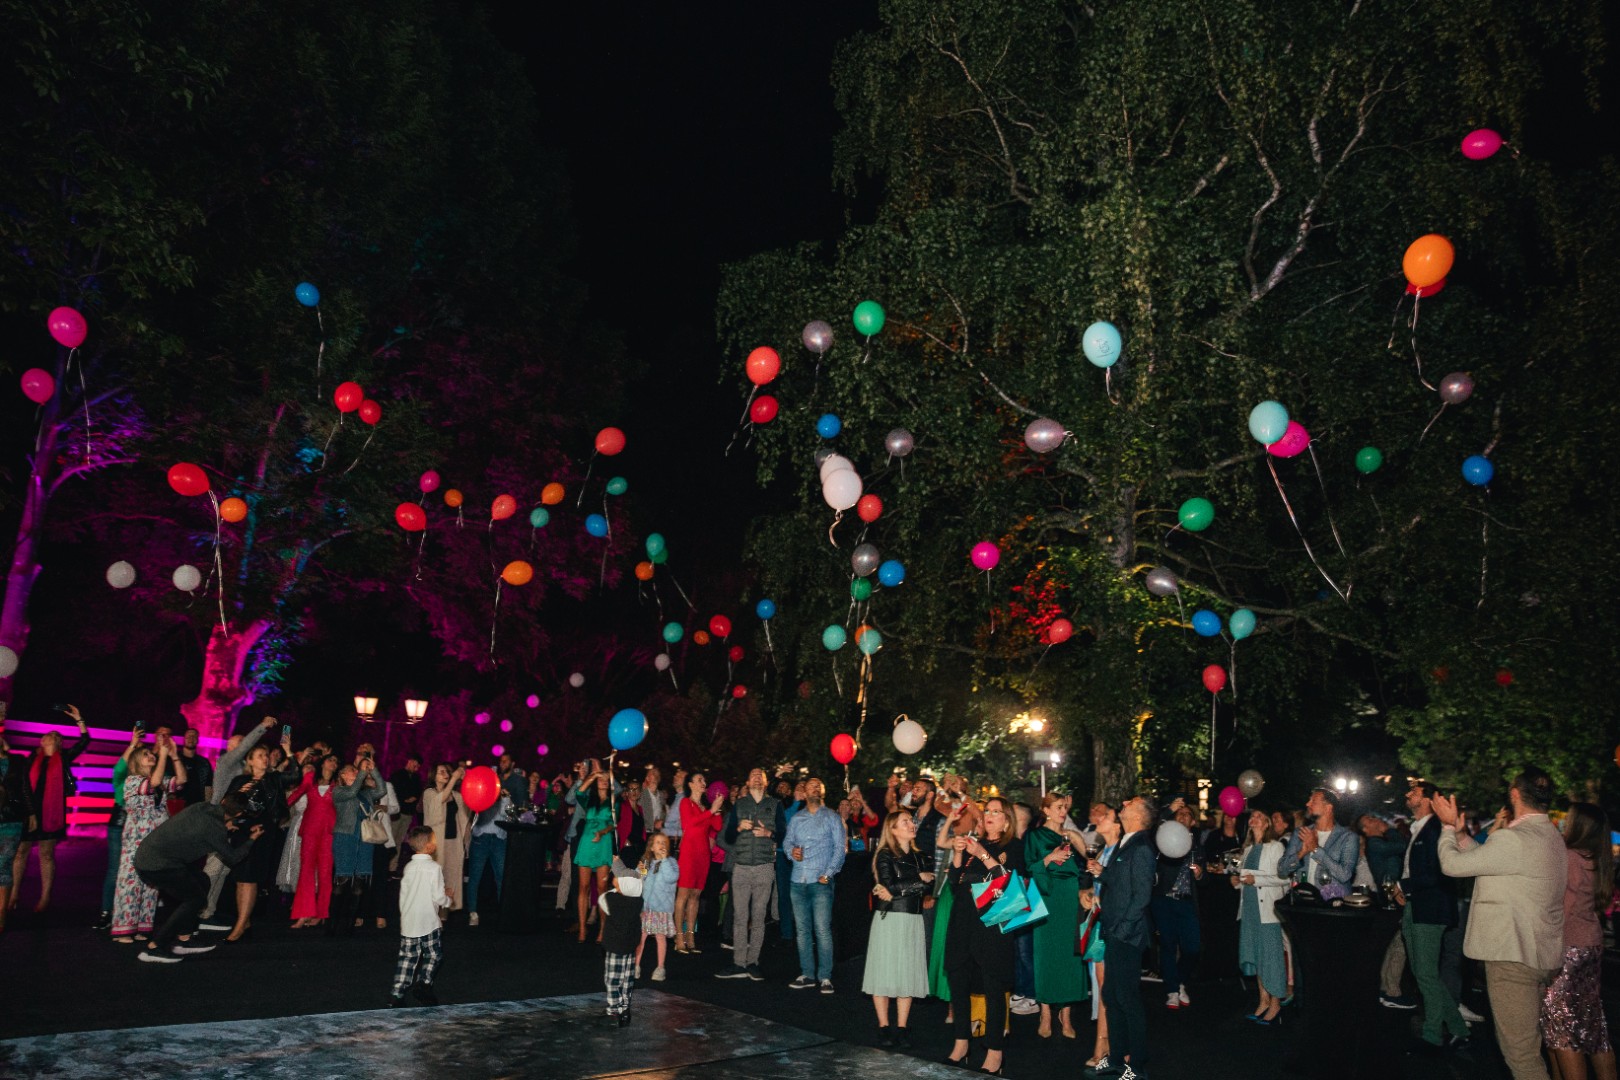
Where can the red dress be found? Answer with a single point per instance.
(698, 827)
(313, 899)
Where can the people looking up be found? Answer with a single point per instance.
(815, 843)
(1322, 852)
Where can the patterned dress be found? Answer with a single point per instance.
(134, 902)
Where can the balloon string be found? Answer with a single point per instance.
(677, 583)
(580, 501)
(1181, 609)
(868, 354)
(1484, 540)
(1430, 424)
(837, 679)
(361, 454)
(990, 601)
(1108, 385)
(1327, 506)
(1039, 658)
(459, 520)
(1289, 507)
(1213, 698)
(1395, 321)
(219, 566)
(1231, 668)
(742, 420)
(320, 352)
(325, 449)
(838, 517)
(420, 547)
(84, 396)
(770, 648)
(494, 619)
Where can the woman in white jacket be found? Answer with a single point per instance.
(1260, 937)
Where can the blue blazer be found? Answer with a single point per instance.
(1430, 894)
(1127, 888)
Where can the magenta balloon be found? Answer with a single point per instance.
(429, 481)
(38, 385)
(1480, 144)
(1231, 801)
(985, 555)
(1293, 443)
(67, 327)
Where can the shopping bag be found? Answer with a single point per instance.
(986, 893)
(1036, 912)
(1012, 901)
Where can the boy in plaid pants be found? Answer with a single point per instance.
(421, 895)
(620, 937)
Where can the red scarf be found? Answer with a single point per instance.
(53, 812)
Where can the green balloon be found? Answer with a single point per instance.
(1196, 514)
(618, 486)
(659, 559)
(1368, 458)
(539, 517)
(655, 544)
(861, 588)
(868, 317)
(673, 632)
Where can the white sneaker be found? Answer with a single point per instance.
(658, 975)
(472, 919)
(1469, 1015)
(1023, 1006)
(182, 949)
(1182, 994)
(1173, 1001)
(214, 926)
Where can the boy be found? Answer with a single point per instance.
(421, 895)
(619, 938)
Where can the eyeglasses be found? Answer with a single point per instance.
(1003, 813)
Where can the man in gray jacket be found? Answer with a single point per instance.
(752, 830)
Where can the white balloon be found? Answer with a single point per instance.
(842, 489)
(1174, 839)
(576, 680)
(187, 578)
(661, 661)
(120, 575)
(835, 463)
(8, 662)
(909, 736)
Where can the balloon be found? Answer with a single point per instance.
(817, 336)
(1428, 290)
(370, 411)
(868, 640)
(1478, 470)
(720, 627)
(1368, 458)
(497, 749)
(762, 365)
(307, 294)
(233, 509)
(542, 749)
(899, 442)
(864, 559)
(481, 718)
(673, 632)
(644, 571)
(1214, 678)
(552, 494)
(1101, 344)
(1293, 442)
(700, 637)
(1196, 514)
(1241, 624)
(596, 525)
(187, 479)
(506, 725)
(869, 508)
(833, 638)
(539, 517)
(841, 489)
(1059, 631)
(502, 508)
(739, 691)
(428, 481)
(8, 662)
(985, 555)
(765, 609)
(532, 701)
(1162, 581)
(829, 463)
(627, 728)
(1231, 801)
(763, 410)
(891, 573)
(1480, 144)
(655, 544)
(736, 654)
(1504, 678)
(186, 578)
(1428, 260)
(1206, 622)
(1173, 839)
(842, 748)
(1456, 388)
(452, 498)
(348, 396)
(38, 385)
(120, 575)
(576, 680)
(661, 661)
(410, 517)
(909, 736)
(617, 485)
(1251, 783)
(1268, 422)
(67, 326)
(659, 559)
(868, 317)
(609, 441)
(1043, 436)
(517, 572)
(480, 788)
(828, 426)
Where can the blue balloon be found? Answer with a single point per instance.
(1241, 624)
(1101, 343)
(1206, 622)
(891, 573)
(539, 517)
(765, 609)
(1478, 470)
(1268, 422)
(596, 525)
(307, 294)
(833, 638)
(829, 426)
(627, 728)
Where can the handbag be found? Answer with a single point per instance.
(1036, 912)
(374, 827)
(1089, 934)
(986, 893)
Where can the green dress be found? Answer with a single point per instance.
(594, 853)
(1060, 976)
(938, 984)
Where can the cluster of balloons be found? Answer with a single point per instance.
(841, 485)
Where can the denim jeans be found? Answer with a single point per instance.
(490, 850)
(1024, 972)
(813, 904)
(784, 896)
(109, 883)
(1179, 939)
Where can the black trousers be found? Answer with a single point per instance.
(1122, 993)
(189, 888)
(996, 990)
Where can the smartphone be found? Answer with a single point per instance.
(286, 732)
(59, 708)
(140, 725)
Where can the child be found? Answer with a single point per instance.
(622, 906)
(662, 874)
(421, 895)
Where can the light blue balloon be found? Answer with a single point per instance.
(1478, 470)
(833, 638)
(618, 486)
(596, 525)
(1101, 343)
(1268, 422)
(655, 545)
(1206, 622)
(891, 573)
(1241, 624)
(829, 426)
(627, 728)
(869, 642)
(539, 517)
(307, 294)
(765, 609)
(673, 632)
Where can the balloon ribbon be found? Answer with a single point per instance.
(1290, 508)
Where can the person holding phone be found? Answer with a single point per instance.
(1060, 975)
(698, 826)
(50, 775)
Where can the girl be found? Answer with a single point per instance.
(1060, 976)
(1260, 936)
(312, 903)
(145, 808)
(1572, 1022)
(698, 827)
(445, 813)
(594, 851)
(973, 949)
(896, 954)
(662, 875)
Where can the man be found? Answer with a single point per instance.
(199, 785)
(1175, 913)
(513, 781)
(164, 862)
(1127, 889)
(672, 811)
(1429, 900)
(1516, 927)
(654, 803)
(1324, 850)
(815, 841)
(408, 789)
(237, 748)
(1386, 860)
(488, 847)
(752, 827)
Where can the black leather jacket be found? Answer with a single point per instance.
(16, 796)
(902, 876)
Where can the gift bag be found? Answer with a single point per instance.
(986, 893)
(1036, 912)
(1013, 901)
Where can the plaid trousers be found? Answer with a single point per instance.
(418, 957)
(619, 975)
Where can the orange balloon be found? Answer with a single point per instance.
(551, 494)
(233, 509)
(517, 572)
(700, 637)
(452, 498)
(644, 571)
(502, 508)
(1428, 260)
(1617, 756)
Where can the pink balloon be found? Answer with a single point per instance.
(37, 385)
(1293, 443)
(1231, 801)
(985, 555)
(1480, 144)
(67, 327)
(429, 481)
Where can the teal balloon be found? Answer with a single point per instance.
(833, 638)
(673, 632)
(539, 517)
(868, 317)
(618, 486)
(869, 642)
(1268, 422)
(1368, 458)
(655, 545)
(1196, 514)
(1241, 624)
(1101, 343)
(860, 589)
(627, 728)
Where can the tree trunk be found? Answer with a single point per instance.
(214, 711)
(24, 570)
(1113, 761)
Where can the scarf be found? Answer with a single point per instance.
(53, 800)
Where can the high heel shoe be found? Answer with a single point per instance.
(1274, 1020)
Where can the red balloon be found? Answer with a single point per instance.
(187, 479)
(609, 441)
(736, 654)
(763, 365)
(1427, 290)
(1214, 678)
(348, 396)
(1060, 631)
(502, 508)
(480, 788)
(843, 748)
(67, 327)
(763, 410)
(1504, 677)
(869, 508)
(428, 482)
(739, 691)
(370, 411)
(38, 385)
(720, 626)
(410, 517)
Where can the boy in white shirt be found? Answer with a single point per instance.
(421, 895)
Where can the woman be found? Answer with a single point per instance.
(1060, 975)
(16, 817)
(1260, 937)
(444, 811)
(145, 808)
(862, 822)
(961, 819)
(1106, 833)
(312, 903)
(698, 827)
(359, 791)
(896, 952)
(1572, 1023)
(973, 950)
(632, 830)
(286, 766)
(260, 786)
(50, 776)
(593, 844)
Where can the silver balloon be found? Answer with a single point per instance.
(661, 661)
(1043, 436)
(864, 560)
(822, 454)
(1456, 388)
(899, 442)
(1251, 783)
(1162, 581)
(817, 336)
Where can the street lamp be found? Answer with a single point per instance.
(415, 709)
(1342, 785)
(1044, 756)
(365, 707)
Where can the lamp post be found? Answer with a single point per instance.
(366, 709)
(1044, 756)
